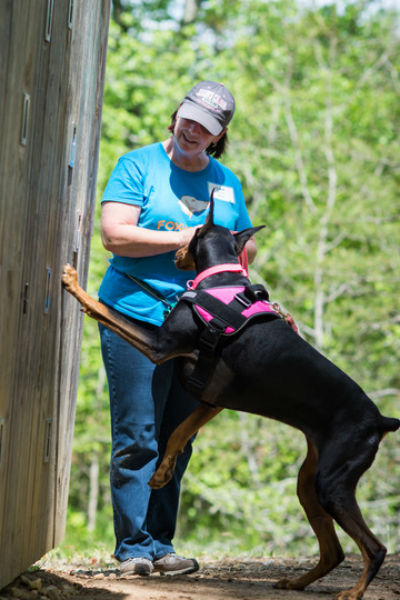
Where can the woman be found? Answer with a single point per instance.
(155, 199)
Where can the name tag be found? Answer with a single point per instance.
(222, 192)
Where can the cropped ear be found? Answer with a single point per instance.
(210, 216)
(241, 237)
(209, 222)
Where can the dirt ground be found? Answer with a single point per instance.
(251, 579)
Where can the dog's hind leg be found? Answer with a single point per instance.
(331, 553)
(372, 550)
(336, 484)
(178, 440)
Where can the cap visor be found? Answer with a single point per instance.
(195, 113)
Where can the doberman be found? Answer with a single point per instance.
(269, 370)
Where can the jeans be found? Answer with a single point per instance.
(147, 403)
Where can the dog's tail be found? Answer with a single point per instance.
(390, 424)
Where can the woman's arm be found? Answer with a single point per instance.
(251, 248)
(121, 235)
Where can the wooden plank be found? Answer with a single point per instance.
(89, 79)
(14, 194)
(28, 25)
(42, 226)
(40, 197)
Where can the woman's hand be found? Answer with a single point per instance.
(186, 235)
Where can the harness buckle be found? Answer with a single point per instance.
(243, 299)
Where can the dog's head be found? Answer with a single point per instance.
(212, 243)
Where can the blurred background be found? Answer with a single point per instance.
(315, 142)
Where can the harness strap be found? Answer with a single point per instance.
(225, 316)
(205, 363)
(222, 268)
(230, 316)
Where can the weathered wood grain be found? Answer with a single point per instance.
(56, 69)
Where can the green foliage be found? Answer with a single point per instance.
(315, 143)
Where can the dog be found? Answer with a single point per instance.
(267, 369)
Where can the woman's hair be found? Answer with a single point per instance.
(216, 150)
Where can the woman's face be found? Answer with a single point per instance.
(192, 137)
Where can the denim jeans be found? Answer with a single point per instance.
(147, 402)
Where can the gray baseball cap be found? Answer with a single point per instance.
(210, 104)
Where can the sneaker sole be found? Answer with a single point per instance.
(135, 573)
(141, 571)
(185, 571)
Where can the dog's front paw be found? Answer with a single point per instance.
(69, 277)
(164, 473)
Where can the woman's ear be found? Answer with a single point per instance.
(219, 136)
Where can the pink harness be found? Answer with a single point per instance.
(226, 295)
(224, 311)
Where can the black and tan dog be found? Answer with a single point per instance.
(269, 370)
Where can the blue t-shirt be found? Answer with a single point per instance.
(170, 199)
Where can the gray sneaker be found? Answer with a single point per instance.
(136, 566)
(172, 564)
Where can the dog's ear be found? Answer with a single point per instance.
(210, 216)
(241, 237)
(184, 259)
(209, 222)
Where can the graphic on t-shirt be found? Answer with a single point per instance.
(191, 206)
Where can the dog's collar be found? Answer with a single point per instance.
(223, 268)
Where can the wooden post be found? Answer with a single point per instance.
(51, 89)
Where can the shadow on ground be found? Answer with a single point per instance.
(217, 580)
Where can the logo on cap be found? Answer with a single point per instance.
(211, 99)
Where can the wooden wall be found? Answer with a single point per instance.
(51, 87)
